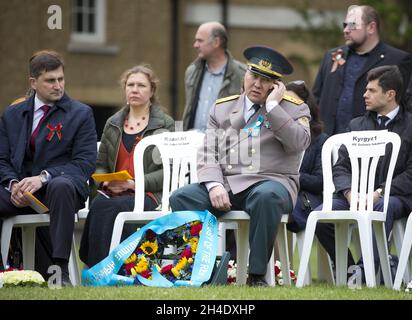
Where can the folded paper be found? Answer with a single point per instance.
(119, 176)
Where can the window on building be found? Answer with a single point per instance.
(88, 21)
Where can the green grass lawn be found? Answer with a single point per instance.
(315, 292)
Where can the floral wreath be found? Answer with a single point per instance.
(149, 254)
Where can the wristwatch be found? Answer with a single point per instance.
(43, 177)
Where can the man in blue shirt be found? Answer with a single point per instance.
(214, 74)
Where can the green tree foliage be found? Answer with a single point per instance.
(396, 21)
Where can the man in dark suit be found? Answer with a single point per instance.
(48, 148)
(341, 80)
(383, 112)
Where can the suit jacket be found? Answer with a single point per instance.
(232, 83)
(311, 176)
(328, 85)
(72, 156)
(272, 152)
(401, 186)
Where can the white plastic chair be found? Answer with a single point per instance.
(242, 220)
(178, 151)
(403, 266)
(28, 224)
(364, 148)
(82, 216)
(239, 220)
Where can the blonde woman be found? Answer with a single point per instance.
(142, 116)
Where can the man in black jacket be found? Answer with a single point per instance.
(341, 80)
(383, 112)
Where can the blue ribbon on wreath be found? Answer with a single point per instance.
(105, 273)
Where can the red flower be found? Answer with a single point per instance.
(167, 269)
(194, 231)
(231, 280)
(187, 253)
(338, 60)
(129, 266)
(277, 270)
(146, 274)
(150, 235)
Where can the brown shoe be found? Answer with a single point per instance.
(255, 280)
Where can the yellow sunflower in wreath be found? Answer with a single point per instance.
(149, 248)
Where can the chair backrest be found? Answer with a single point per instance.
(178, 153)
(87, 204)
(364, 149)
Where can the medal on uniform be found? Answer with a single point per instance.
(266, 122)
(253, 130)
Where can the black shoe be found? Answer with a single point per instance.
(66, 280)
(255, 280)
(393, 266)
(393, 263)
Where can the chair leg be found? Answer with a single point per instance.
(325, 270)
(117, 231)
(380, 234)
(354, 240)
(404, 254)
(270, 271)
(300, 237)
(6, 231)
(283, 254)
(291, 236)
(307, 248)
(28, 243)
(74, 270)
(341, 245)
(365, 235)
(242, 251)
(222, 239)
(398, 234)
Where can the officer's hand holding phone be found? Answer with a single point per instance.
(277, 92)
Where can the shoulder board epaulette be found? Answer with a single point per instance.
(17, 101)
(225, 99)
(292, 99)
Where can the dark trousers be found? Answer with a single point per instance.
(265, 202)
(53, 242)
(98, 228)
(305, 203)
(326, 231)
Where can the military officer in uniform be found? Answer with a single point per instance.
(251, 156)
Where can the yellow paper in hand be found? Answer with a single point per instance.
(35, 203)
(119, 176)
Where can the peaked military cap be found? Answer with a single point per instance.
(267, 62)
